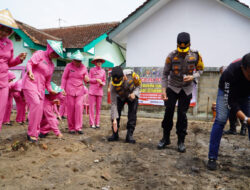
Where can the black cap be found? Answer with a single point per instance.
(117, 74)
(246, 61)
(183, 37)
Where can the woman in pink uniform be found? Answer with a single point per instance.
(6, 119)
(39, 72)
(6, 58)
(72, 84)
(20, 102)
(97, 80)
(49, 120)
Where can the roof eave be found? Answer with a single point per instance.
(237, 7)
(135, 19)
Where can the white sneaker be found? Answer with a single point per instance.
(92, 126)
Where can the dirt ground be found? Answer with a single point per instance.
(89, 161)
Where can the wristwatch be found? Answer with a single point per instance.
(245, 120)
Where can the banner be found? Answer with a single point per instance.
(150, 93)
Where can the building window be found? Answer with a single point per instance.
(61, 63)
(17, 38)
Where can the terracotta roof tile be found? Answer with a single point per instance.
(81, 35)
(37, 36)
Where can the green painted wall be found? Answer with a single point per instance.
(108, 51)
(19, 48)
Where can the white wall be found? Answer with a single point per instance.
(220, 34)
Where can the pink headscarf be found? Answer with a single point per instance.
(49, 50)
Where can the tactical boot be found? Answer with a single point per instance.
(181, 145)
(230, 132)
(212, 165)
(129, 137)
(164, 141)
(114, 137)
(243, 129)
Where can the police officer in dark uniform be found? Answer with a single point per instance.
(182, 67)
(125, 88)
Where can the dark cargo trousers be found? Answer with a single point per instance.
(132, 112)
(183, 105)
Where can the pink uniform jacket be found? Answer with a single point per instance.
(42, 68)
(95, 88)
(72, 79)
(6, 60)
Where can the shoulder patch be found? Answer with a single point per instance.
(168, 60)
(200, 65)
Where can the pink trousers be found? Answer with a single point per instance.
(63, 107)
(20, 107)
(95, 102)
(49, 121)
(74, 112)
(4, 92)
(8, 109)
(35, 105)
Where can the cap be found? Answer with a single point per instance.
(183, 42)
(117, 76)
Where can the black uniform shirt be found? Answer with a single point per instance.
(235, 85)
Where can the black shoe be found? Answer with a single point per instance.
(243, 130)
(163, 142)
(181, 147)
(230, 132)
(114, 137)
(43, 135)
(97, 126)
(211, 164)
(31, 140)
(130, 139)
(80, 132)
(63, 117)
(8, 124)
(72, 132)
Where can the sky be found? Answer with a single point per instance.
(46, 13)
